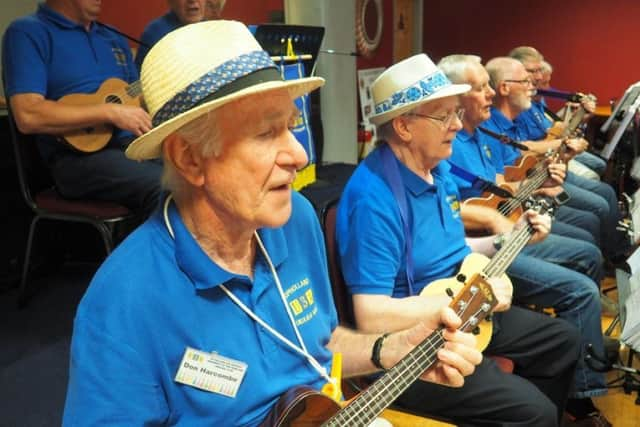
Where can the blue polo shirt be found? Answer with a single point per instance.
(499, 123)
(154, 296)
(47, 54)
(370, 236)
(153, 32)
(533, 123)
(479, 154)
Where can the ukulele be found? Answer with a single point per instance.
(304, 406)
(115, 91)
(569, 129)
(529, 168)
(476, 264)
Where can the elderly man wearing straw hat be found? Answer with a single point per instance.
(220, 302)
(399, 229)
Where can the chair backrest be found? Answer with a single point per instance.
(33, 175)
(341, 296)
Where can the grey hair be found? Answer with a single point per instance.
(500, 69)
(384, 132)
(200, 133)
(546, 67)
(526, 53)
(455, 66)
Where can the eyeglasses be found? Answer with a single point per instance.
(526, 82)
(535, 70)
(446, 120)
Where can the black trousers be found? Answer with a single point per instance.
(544, 351)
(110, 176)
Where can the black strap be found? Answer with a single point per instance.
(503, 138)
(478, 182)
(551, 114)
(109, 27)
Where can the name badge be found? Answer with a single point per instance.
(211, 372)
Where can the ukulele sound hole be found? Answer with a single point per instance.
(113, 99)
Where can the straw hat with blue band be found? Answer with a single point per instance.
(407, 84)
(198, 68)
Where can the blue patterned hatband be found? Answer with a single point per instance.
(212, 81)
(421, 89)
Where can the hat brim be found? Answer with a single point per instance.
(454, 89)
(149, 145)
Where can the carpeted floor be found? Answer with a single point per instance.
(35, 347)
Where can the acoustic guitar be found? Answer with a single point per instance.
(304, 406)
(114, 91)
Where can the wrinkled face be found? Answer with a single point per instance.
(188, 11)
(477, 102)
(250, 179)
(433, 126)
(520, 88)
(87, 10)
(545, 81)
(213, 9)
(534, 68)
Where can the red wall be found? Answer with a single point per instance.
(593, 45)
(131, 16)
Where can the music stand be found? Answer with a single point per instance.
(304, 38)
(623, 113)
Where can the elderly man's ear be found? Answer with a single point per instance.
(401, 128)
(185, 159)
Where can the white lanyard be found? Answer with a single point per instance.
(302, 349)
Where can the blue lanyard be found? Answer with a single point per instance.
(392, 175)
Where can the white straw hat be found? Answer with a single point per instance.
(407, 84)
(198, 68)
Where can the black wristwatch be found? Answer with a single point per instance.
(375, 351)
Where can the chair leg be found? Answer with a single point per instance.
(107, 236)
(22, 294)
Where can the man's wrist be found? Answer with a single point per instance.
(377, 350)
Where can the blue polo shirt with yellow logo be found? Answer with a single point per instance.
(47, 54)
(534, 122)
(478, 154)
(155, 296)
(370, 235)
(499, 123)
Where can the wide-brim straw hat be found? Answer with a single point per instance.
(407, 84)
(198, 68)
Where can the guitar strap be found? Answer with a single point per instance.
(391, 173)
(133, 39)
(551, 114)
(478, 183)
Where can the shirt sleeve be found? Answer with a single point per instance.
(371, 246)
(111, 386)
(24, 58)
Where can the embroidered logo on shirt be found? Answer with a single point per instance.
(454, 205)
(119, 56)
(301, 301)
(487, 150)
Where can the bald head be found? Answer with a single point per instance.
(512, 84)
(503, 68)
